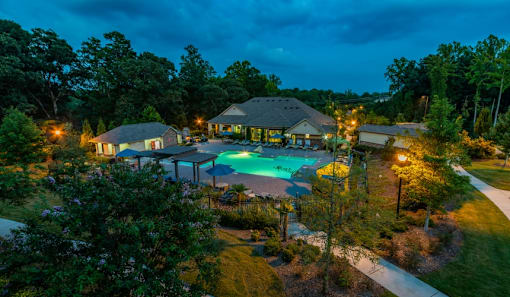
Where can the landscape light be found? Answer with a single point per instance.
(58, 132)
(402, 158)
(353, 123)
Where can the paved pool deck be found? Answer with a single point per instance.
(259, 184)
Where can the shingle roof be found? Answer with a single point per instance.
(391, 130)
(132, 133)
(275, 112)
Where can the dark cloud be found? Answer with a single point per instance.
(323, 44)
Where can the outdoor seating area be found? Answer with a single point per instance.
(276, 145)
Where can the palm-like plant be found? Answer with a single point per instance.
(284, 210)
(238, 191)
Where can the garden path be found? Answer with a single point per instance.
(391, 277)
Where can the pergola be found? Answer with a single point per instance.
(178, 154)
(196, 159)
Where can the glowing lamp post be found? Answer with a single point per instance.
(402, 158)
(57, 132)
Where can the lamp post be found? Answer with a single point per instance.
(402, 158)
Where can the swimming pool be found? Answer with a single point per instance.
(253, 163)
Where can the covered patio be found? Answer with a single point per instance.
(196, 159)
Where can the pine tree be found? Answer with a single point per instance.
(484, 122)
(150, 114)
(86, 134)
(101, 128)
(21, 141)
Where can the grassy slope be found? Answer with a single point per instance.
(491, 172)
(242, 271)
(483, 266)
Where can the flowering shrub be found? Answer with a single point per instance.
(120, 233)
(478, 148)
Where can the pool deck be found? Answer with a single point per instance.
(259, 184)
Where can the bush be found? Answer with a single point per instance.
(478, 148)
(340, 272)
(411, 257)
(294, 247)
(300, 242)
(310, 254)
(399, 226)
(288, 255)
(272, 247)
(255, 235)
(248, 218)
(271, 232)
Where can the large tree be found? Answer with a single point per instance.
(55, 64)
(118, 233)
(501, 134)
(21, 141)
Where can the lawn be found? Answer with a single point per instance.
(33, 206)
(483, 266)
(491, 172)
(243, 272)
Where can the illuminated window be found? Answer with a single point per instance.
(307, 135)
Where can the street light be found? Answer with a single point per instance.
(57, 132)
(402, 158)
(353, 122)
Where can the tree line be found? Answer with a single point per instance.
(474, 79)
(109, 83)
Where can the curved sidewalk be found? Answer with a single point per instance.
(391, 277)
(500, 198)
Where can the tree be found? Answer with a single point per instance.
(21, 141)
(86, 133)
(101, 128)
(431, 180)
(501, 75)
(238, 191)
(250, 78)
(484, 122)
(501, 134)
(284, 210)
(118, 233)
(150, 114)
(16, 185)
(55, 62)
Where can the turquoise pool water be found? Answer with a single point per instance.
(252, 163)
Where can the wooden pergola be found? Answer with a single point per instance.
(196, 159)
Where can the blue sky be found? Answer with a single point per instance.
(334, 45)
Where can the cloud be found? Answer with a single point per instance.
(323, 44)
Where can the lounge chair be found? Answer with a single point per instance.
(306, 146)
(267, 144)
(235, 142)
(315, 147)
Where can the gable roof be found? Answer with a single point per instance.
(400, 129)
(275, 112)
(133, 133)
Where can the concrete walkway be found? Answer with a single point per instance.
(7, 225)
(391, 277)
(500, 198)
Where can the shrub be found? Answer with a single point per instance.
(272, 247)
(271, 232)
(340, 272)
(399, 226)
(294, 247)
(248, 218)
(310, 254)
(411, 257)
(255, 235)
(300, 242)
(478, 148)
(288, 255)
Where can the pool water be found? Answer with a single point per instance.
(252, 163)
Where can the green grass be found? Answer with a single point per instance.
(32, 207)
(483, 266)
(243, 272)
(491, 172)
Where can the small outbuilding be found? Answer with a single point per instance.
(378, 135)
(139, 137)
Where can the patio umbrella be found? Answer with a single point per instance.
(127, 153)
(227, 133)
(219, 170)
(279, 136)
